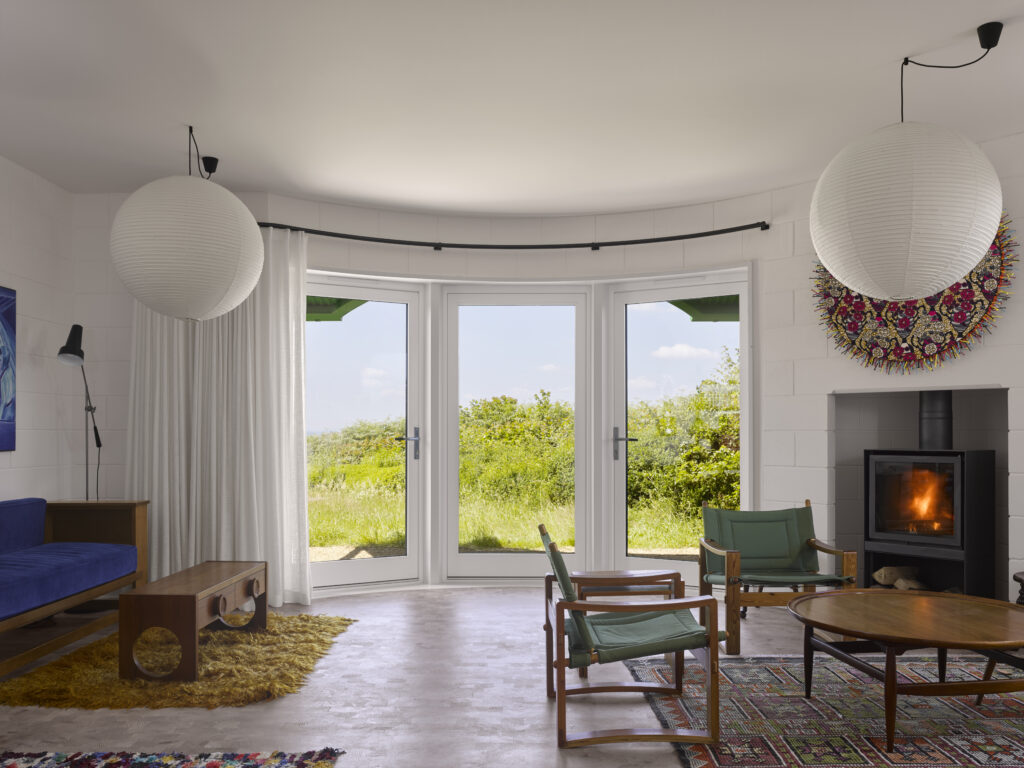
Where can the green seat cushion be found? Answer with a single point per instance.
(619, 636)
(777, 578)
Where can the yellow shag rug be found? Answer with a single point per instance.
(235, 668)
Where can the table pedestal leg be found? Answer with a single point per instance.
(890, 697)
(808, 660)
(989, 669)
(942, 665)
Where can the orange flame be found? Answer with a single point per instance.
(924, 506)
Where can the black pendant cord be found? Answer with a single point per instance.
(908, 60)
(193, 142)
(204, 162)
(988, 38)
(594, 246)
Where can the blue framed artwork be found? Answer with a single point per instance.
(8, 373)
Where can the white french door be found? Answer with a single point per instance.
(366, 443)
(568, 405)
(515, 432)
(679, 372)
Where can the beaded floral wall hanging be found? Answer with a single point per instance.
(903, 336)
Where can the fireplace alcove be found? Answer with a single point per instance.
(889, 422)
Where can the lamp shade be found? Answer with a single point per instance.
(71, 353)
(186, 247)
(906, 211)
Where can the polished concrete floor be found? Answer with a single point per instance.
(426, 677)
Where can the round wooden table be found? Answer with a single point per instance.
(896, 621)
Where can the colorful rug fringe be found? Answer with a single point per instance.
(321, 758)
(767, 723)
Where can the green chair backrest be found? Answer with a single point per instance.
(770, 540)
(566, 586)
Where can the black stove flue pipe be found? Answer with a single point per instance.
(935, 420)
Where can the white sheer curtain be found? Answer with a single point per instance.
(227, 480)
(159, 434)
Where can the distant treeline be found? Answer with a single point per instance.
(686, 453)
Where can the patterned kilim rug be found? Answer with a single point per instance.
(766, 721)
(323, 758)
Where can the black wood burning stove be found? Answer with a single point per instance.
(933, 508)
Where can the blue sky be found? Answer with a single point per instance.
(355, 369)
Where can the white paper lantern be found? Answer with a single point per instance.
(186, 247)
(906, 211)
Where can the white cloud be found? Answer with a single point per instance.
(641, 383)
(373, 378)
(549, 367)
(684, 352)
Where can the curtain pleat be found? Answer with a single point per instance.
(232, 448)
(159, 433)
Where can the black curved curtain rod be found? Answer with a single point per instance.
(762, 225)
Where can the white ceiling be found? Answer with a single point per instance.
(488, 106)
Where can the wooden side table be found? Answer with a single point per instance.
(184, 603)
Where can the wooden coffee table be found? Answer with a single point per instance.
(184, 603)
(896, 621)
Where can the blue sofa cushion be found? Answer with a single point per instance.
(22, 523)
(39, 575)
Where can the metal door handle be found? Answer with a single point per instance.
(616, 440)
(415, 440)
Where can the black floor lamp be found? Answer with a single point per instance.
(72, 354)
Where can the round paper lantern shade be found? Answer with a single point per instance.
(186, 247)
(906, 211)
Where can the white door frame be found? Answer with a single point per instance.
(712, 283)
(411, 566)
(509, 565)
(432, 528)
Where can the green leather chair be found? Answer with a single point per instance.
(775, 548)
(581, 633)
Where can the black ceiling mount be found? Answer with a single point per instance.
(209, 165)
(988, 34)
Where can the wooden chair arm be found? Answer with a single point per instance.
(614, 578)
(848, 559)
(823, 547)
(702, 601)
(715, 548)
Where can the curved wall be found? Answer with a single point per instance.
(798, 374)
(798, 377)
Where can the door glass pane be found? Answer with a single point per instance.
(356, 379)
(516, 427)
(683, 420)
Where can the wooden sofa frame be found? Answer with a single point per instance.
(114, 522)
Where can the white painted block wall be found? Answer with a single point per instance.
(53, 250)
(35, 261)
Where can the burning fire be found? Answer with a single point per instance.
(927, 507)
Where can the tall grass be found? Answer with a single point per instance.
(373, 518)
(363, 516)
(487, 525)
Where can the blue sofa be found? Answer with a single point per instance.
(58, 555)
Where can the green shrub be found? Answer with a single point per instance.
(517, 468)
